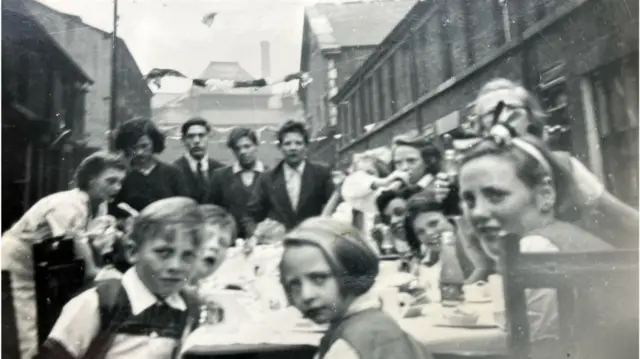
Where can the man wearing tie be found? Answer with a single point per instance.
(231, 186)
(196, 166)
(295, 189)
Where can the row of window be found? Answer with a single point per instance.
(456, 35)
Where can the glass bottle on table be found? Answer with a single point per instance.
(451, 275)
(449, 164)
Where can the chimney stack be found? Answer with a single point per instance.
(265, 57)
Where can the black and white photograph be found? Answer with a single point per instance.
(320, 179)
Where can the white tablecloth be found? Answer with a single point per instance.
(277, 331)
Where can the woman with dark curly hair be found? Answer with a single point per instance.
(149, 179)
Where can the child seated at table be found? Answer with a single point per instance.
(427, 219)
(145, 314)
(221, 230)
(327, 272)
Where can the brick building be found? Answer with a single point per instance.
(43, 101)
(336, 40)
(579, 56)
(91, 48)
(261, 109)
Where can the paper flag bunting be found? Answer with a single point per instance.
(156, 75)
(208, 19)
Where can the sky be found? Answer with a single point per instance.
(170, 33)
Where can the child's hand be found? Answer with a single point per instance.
(103, 244)
(397, 175)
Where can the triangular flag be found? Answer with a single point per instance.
(208, 19)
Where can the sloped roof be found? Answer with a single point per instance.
(358, 23)
(225, 71)
(18, 7)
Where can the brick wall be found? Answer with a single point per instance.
(463, 45)
(91, 48)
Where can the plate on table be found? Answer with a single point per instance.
(477, 300)
(460, 318)
(467, 326)
(309, 328)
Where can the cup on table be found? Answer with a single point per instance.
(476, 292)
(390, 298)
(211, 313)
(496, 292)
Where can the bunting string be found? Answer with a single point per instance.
(156, 75)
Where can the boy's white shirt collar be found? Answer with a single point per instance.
(299, 169)
(193, 163)
(141, 297)
(258, 167)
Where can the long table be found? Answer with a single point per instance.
(215, 341)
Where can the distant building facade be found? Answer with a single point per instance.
(580, 57)
(260, 109)
(91, 48)
(336, 40)
(43, 112)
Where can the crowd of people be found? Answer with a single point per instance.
(151, 232)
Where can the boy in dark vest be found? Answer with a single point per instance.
(327, 272)
(146, 314)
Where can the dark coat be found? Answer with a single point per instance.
(227, 190)
(270, 198)
(198, 191)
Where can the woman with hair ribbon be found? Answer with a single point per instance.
(505, 109)
(514, 185)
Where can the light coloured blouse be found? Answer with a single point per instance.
(56, 215)
(358, 193)
(542, 304)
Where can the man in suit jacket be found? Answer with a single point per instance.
(295, 189)
(196, 166)
(231, 186)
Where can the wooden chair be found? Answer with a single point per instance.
(10, 344)
(59, 276)
(591, 289)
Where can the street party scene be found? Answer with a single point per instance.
(372, 194)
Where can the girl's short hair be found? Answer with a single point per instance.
(350, 258)
(164, 218)
(426, 202)
(218, 216)
(385, 197)
(381, 167)
(96, 163)
(528, 168)
(538, 115)
(129, 133)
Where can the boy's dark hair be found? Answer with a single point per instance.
(161, 218)
(354, 264)
(194, 121)
(384, 198)
(239, 132)
(92, 166)
(293, 126)
(129, 133)
(430, 154)
(216, 215)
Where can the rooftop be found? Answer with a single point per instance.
(358, 23)
(225, 71)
